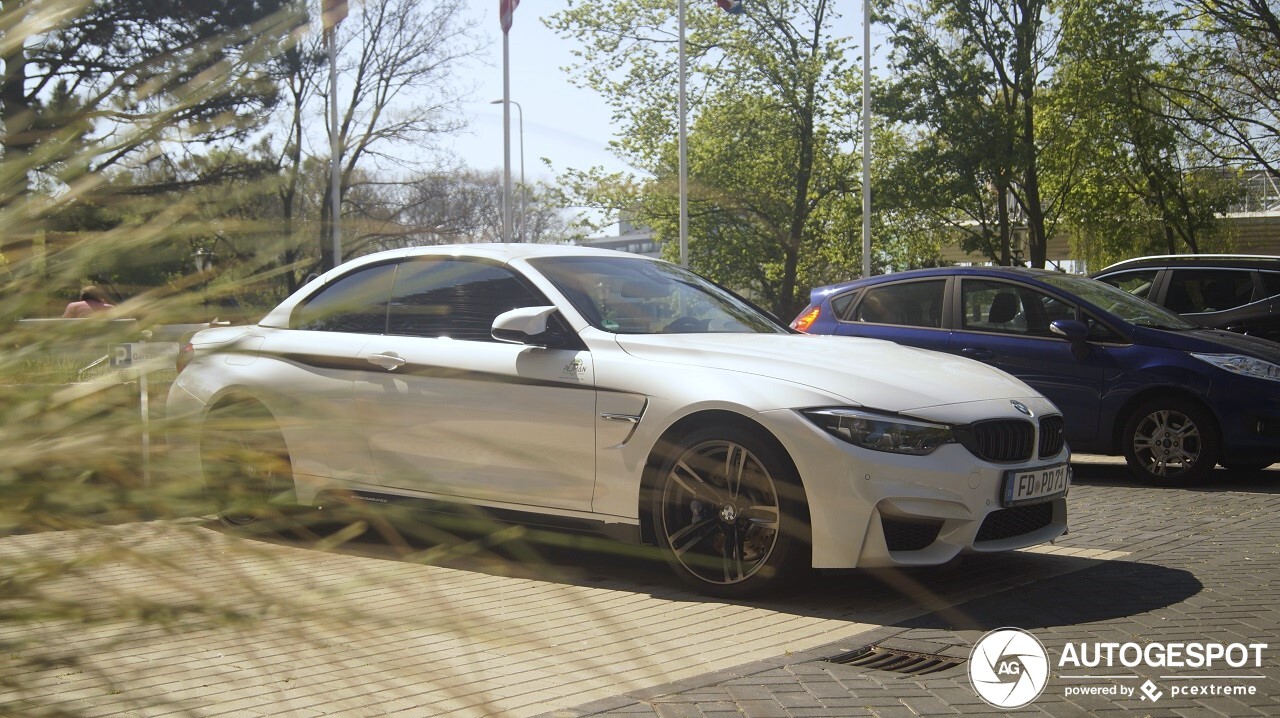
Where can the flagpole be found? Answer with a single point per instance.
(506, 139)
(335, 149)
(683, 146)
(866, 138)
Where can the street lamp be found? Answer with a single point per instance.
(523, 187)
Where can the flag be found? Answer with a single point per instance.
(332, 12)
(506, 8)
(733, 7)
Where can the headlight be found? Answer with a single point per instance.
(882, 433)
(1242, 365)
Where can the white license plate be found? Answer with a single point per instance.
(1025, 487)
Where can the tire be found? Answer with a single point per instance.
(729, 513)
(245, 463)
(1171, 442)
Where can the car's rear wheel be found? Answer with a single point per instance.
(246, 463)
(1171, 442)
(729, 513)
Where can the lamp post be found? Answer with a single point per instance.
(682, 142)
(524, 190)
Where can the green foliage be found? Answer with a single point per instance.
(1130, 180)
(968, 79)
(769, 174)
(1036, 118)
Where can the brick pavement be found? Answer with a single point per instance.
(1202, 565)
(316, 633)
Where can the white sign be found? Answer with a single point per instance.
(127, 355)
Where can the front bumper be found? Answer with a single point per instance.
(1248, 411)
(877, 509)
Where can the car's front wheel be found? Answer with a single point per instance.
(729, 513)
(245, 463)
(1171, 442)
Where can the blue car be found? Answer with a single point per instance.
(1130, 377)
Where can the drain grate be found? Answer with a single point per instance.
(895, 661)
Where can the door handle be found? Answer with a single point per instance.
(387, 360)
(979, 353)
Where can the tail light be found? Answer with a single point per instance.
(186, 352)
(806, 320)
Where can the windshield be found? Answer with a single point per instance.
(1132, 309)
(639, 296)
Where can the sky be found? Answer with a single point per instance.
(569, 125)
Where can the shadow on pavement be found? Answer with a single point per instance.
(1106, 591)
(1090, 473)
(971, 592)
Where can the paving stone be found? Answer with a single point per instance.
(1199, 565)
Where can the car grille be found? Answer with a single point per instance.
(1001, 440)
(1008, 440)
(1052, 436)
(1015, 521)
(906, 535)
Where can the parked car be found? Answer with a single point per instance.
(1130, 377)
(605, 391)
(1235, 292)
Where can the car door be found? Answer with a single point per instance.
(306, 372)
(1205, 293)
(449, 410)
(908, 312)
(1006, 324)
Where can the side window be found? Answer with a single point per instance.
(909, 304)
(1138, 282)
(356, 303)
(1011, 309)
(1271, 283)
(454, 298)
(993, 307)
(1208, 290)
(840, 305)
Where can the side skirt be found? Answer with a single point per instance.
(461, 512)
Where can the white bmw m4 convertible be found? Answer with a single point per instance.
(595, 390)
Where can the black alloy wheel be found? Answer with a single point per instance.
(730, 514)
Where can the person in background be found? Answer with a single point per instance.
(92, 299)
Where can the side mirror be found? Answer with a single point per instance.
(1075, 332)
(527, 325)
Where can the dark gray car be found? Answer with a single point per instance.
(1221, 291)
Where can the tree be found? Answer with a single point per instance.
(1136, 184)
(397, 57)
(970, 75)
(769, 75)
(465, 205)
(1232, 49)
(90, 85)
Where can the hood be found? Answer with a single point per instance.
(1211, 341)
(867, 372)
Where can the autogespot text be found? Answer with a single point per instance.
(1162, 655)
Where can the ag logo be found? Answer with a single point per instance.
(1008, 668)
